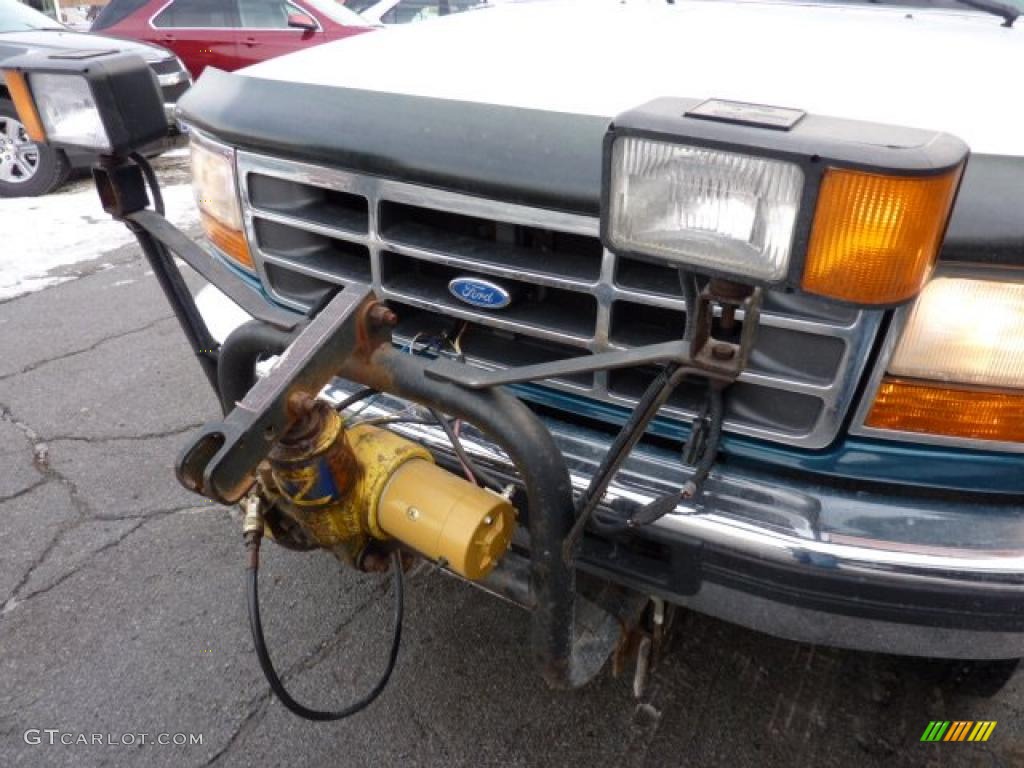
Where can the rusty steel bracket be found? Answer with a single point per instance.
(715, 358)
(222, 459)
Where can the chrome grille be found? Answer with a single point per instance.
(313, 227)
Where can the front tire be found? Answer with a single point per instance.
(27, 169)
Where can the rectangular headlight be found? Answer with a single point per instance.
(958, 367)
(101, 101)
(706, 208)
(68, 111)
(849, 210)
(213, 183)
(965, 331)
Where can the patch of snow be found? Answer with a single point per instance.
(41, 234)
(32, 284)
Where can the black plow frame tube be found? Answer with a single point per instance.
(180, 298)
(504, 419)
(236, 367)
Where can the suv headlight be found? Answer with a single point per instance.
(848, 210)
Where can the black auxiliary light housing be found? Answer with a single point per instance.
(813, 143)
(126, 96)
(123, 87)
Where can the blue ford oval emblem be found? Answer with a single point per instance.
(479, 293)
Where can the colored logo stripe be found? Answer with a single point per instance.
(958, 730)
(982, 730)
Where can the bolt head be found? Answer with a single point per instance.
(383, 315)
(722, 351)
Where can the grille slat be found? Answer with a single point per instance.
(315, 227)
(542, 308)
(493, 244)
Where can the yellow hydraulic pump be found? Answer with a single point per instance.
(348, 486)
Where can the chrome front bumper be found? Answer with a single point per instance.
(878, 570)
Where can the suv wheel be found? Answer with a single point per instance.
(26, 168)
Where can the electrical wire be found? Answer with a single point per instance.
(401, 415)
(382, 421)
(151, 180)
(629, 435)
(356, 397)
(478, 475)
(259, 641)
(708, 451)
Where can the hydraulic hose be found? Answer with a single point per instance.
(259, 641)
(509, 423)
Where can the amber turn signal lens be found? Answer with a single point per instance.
(24, 105)
(875, 238)
(230, 241)
(913, 406)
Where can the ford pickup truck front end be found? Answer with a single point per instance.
(738, 355)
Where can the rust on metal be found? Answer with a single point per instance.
(374, 322)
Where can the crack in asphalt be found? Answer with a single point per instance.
(244, 726)
(16, 599)
(100, 439)
(95, 345)
(12, 602)
(18, 494)
(41, 459)
(259, 705)
(84, 512)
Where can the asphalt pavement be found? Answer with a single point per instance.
(122, 613)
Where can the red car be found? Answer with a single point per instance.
(229, 34)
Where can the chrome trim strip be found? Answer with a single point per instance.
(523, 274)
(803, 544)
(300, 9)
(774, 319)
(836, 396)
(173, 78)
(807, 625)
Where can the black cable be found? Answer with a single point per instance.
(383, 421)
(355, 397)
(688, 285)
(154, 185)
(650, 402)
(484, 477)
(268, 667)
(628, 436)
(709, 451)
(702, 446)
(700, 452)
